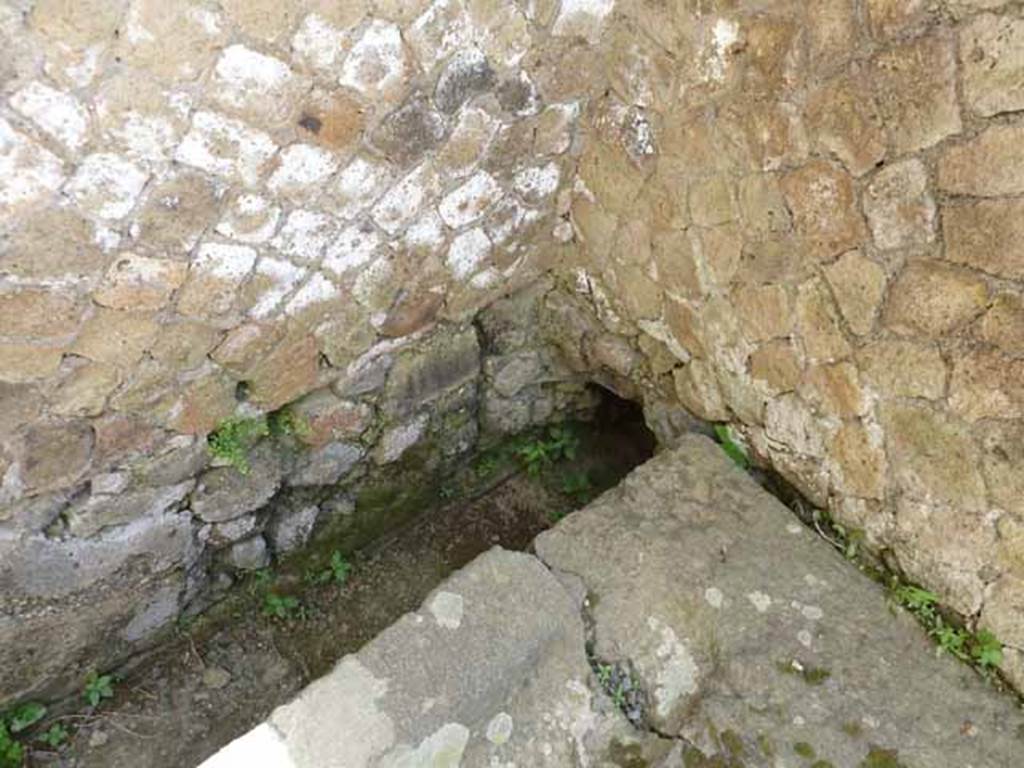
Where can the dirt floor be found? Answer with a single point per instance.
(226, 672)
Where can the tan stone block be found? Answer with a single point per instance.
(711, 202)
(860, 460)
(903, 369)
(697, 389)
(76, 24)
(777, 365)
(780, 259)
(1003, 446)
(721, 249)
(992, 51)
(1003, 324)
(176, 42)
(987, 235)
(1010, 552)
(329, 418)
(933, 456)
(245, 344)
(834, 390)
(138, 282)
(268, 20)
(116, 337)
(763, 135)
(825, 214)
(818, 324)
(21, 363)
(858, 285)
(765, 312)
(843, 118)
(989, 165)
(987, 385)
(334, 120)
(947, 547)
(402, 11)
(763, 206)
(85, 391)
(832, 31)
(932, 298)
(639, 294)
(201, 405)
(288, 372)
(184, 345)
(916, 87)
(177, 211)
(676, 262)
(214, 277)
(888, 17)
(53, 243)
(611, 176)
(1003, 612)
(899, 206)
(686, 326)
(38, 313)
(20, 405)
(54, 456)
(771, 56)
(411, 312)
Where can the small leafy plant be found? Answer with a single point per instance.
(577, 485)
(12, 754)
(26, 716)
(337, 571)
(97, 688)
(54, 736)
(233, 439)
(732, 448)
(561, 443)
(287, 422)
(283, 607)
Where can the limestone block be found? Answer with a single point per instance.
(987, 235)
(992, 50)
(989, 165)
(903, 369)
(899, 206)
(933, 298)
(825, 214)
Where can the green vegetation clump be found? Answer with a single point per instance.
(97, 688)
(804, 749)
(732, 448)
(337, 571)
(233, 439)
(560, 443)
(982, 649)
(12, 753)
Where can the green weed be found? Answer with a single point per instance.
(25, 716)
(337, 570)
(287, 423)
(12, 754)
(97, 688)
(283, 607)
(576, 484)
(731, 448)
(233, 439)
(54, 736)
(560, 443)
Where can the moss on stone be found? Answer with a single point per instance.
(882, 758)
(804, 749)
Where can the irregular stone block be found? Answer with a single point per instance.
(444, 363)
(225, 493)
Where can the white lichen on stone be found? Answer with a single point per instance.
(353, 248)
(676, 674)
(107, 185)
(305, 234)
(225, 147)
(724, 34)
(467, 252)
(470, 201)
(27, 171)
(232, 263)
(537, 183)
(317, 290)
(359, 185)
(442, 749)
(447, 609)
(302, 170)
(318, 43)
(582, 18)
(714, 597)
(403, 202)
(244, 78)
(57, 114)
(499, 729)
(250, 218)
(376, 64)
(280, 277)
(760, 601)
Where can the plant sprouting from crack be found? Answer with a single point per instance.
(234, 438)
(731, 448)
(560, 443)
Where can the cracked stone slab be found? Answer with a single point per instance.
(491, 671)
(755, 641)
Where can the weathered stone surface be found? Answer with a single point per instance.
(778, 612)
(825, 215)
(916, 87)
(992, 49)
(103, 510)
(139, 283)
(1003, 446)
(520, 695)
(818, 323)
(934, 298)
(38, 314)
(1003, 324)
(987, 385)
(285, 374)
(225, 493)
(409, 132)
(858, 285)
(116, 337)
(290, 529)
(987, 235)
(248, 555)
(903, 369)
(53, 456)
(899, 207)
(326, 465)
(844, 118)
(989, 165)
(419, 377)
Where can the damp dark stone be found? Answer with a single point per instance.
(310, 123)
(468, 74)
(409, 132)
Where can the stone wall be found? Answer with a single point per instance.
(806, 219)
(800, 218)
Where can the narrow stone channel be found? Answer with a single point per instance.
(221, 675)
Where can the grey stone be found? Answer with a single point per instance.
(518, 95)
(734, 617)
(409, 132)
(478, 676)
(511, 374)
(326, 465)
(467, 74)
(225, 493)
(75, 603)
(419, 376)
(291, 528)
(248, 554)
(98, 511)
(234, 530)
(185, 458)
